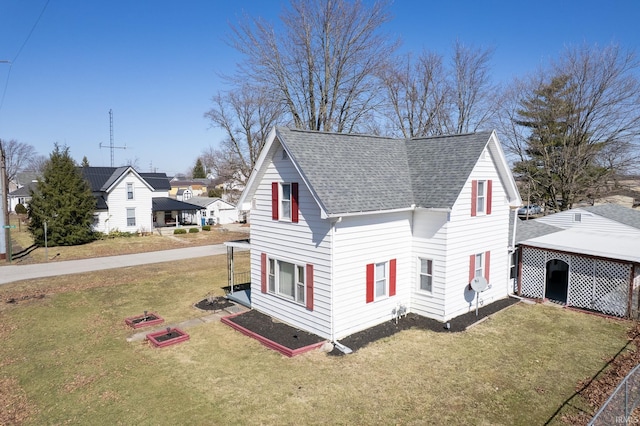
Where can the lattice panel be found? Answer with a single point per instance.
(581, 282)
(533, 273)
(611, 290)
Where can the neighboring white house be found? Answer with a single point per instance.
(348, 230)
(587, 257)
(215, 210)
(129, 201)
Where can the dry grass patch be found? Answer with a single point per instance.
(71, 358)
(22, 239)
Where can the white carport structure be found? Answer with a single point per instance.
(597, 271)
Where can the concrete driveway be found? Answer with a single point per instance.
(11, 273)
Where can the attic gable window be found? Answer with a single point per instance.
(481, 197)
(284, 201)
(129, 191)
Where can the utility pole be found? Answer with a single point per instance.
(5, 211)
(4, 189)
(111, 145)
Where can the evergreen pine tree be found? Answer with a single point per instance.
(63, 199)
(85, 161)
(198, 170)
(561, 166)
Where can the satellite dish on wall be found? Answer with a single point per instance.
(479, 284)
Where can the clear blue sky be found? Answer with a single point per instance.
(156, 63)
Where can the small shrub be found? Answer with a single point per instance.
(21, 209)
(206, 227)
(179, 231)
(193, 230)
(113, 235)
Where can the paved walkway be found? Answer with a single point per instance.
(11, 273)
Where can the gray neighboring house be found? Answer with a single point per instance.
(586, 257)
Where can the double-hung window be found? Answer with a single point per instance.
(481, 198)
(481, 195)
(129, 191)
(287, 280)
(131, 217)
(426, 275)
(284, 201)
(479, 266)
(380, 280)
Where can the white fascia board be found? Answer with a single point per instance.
(504, 171)
(121, 178)
(372, 212)
(257, 172)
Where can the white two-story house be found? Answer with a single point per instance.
(348, 230)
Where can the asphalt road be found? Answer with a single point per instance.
(11, 273)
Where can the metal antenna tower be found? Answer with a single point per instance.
(111, 146)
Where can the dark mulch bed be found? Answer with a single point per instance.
(293, 338)
(275, 331)
(217, 304)
(362, 338)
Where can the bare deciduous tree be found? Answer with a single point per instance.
(426, 98)
(471, 89)
(321, 66)
(18, 156)
(417, 95)
(246, 115)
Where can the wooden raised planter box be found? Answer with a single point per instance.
(167, 337)
(144, 320)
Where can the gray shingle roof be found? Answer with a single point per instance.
(527, 229)
(624, 215)
(358, 173)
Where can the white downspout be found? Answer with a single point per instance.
(332, 287)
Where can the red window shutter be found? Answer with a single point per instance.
(392, 277)
(487, 263)
(474, 197)
(489, 190)
(370, 279)
(309, 283)
(294, 202)
(472, 268)
(274, 200)
(263, 272)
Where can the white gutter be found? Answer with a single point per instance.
(372, 212)
(513, 236)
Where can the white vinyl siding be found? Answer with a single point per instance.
(358, 242)
(302, 243)
(118, 202)
(466, 235)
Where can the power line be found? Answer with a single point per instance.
(35, 24)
